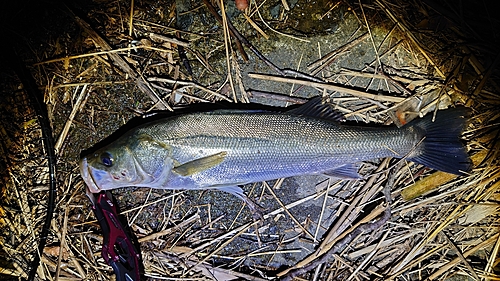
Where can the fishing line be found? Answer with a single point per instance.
(36, 97)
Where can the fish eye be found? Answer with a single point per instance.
(107, 159)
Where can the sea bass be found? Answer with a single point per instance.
(224, 149)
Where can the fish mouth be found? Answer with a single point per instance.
(87, 176)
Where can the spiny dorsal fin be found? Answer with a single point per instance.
(316, 108)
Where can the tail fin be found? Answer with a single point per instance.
(442, 148)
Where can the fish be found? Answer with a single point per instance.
(225, 149)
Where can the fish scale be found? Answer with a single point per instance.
(227, 148)
(264, 146)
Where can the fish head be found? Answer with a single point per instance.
(127, 162)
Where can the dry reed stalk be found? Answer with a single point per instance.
(122, 64)
(440, 221)
(467, 253)
(77, 107)
(190, 84)
(255, 26)
(97, 54)
(168, 231)
(330, 87)
(228, 49)
(271, 190)
(403, 26)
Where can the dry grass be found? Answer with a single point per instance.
(394, 58)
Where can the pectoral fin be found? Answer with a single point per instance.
(200, 165)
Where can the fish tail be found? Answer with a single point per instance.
(442, 148)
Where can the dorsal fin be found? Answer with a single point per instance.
(316, 108)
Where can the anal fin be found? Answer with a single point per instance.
(347, 171)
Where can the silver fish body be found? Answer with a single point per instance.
(224, 149)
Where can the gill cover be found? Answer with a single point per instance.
(133, 161)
